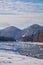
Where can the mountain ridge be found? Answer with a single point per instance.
(33, 28)
(19, 34)
(11, 31)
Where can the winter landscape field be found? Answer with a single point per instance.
(8, 58)
(21, 32)
(21, 53)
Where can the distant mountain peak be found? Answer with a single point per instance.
(10, 31)
(36, 25)
(16, 33)
(32, 29)
(11, 27)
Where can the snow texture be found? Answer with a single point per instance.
(9, 58)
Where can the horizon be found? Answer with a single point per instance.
(21, 13)
(18, 27)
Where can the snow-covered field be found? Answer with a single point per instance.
(30, 52)
(9, 58)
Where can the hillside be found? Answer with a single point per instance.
(11, 31)
(8, 58)
(33, 33)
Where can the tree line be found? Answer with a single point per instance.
(37, 37)
(2, 38)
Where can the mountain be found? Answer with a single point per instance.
(32, 31)
(11, 31)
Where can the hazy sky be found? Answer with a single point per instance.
(21, 13)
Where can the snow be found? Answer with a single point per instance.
(23, 35)
(9, 58)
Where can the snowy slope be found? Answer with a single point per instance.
(8, 58)
(31, 49)
(32, 29)
(10, 32)
(18, 34)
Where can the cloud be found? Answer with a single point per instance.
(19, 7)
(24, 17)
(20, 13)
(23, 20)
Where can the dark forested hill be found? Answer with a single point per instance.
(32, 33)
(2, 38)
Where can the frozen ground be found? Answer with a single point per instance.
(32, 49)
(9, 58)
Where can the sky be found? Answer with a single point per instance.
(21, 13)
